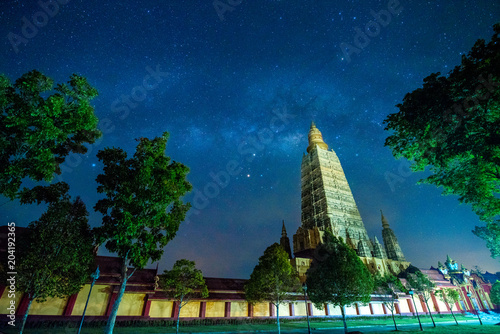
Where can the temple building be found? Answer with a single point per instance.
(328, 204)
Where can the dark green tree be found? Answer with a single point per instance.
(387, 287)
(183, 283)
(57, 250)
(423, 286)
(495, 293)
(272, 279)
(450, 297)
(337, 276)
(451, 127)
(142, 208)
(38, 130)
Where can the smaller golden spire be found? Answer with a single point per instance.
(385, 224)
(315, 138)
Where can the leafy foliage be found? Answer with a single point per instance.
(272, 279)
(495, 293)
(38, 131)
(183, 283)
(423, 286)
(452, 127)
(450, 297)
(57, 249)
(337, 276)
(387, 287)
(142, 208)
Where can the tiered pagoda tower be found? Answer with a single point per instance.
(328, 204)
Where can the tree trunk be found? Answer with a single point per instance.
(278, 317)
(178, 316)
(114, 311)
(25, 316)
(342, 309)
(451, 310)
(430, 313)
(393, 319)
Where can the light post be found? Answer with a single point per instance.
(304, 287)
(469, 295)
(416, 311)
(94, 277)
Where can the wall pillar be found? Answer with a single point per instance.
(357, 308)
(410, 305)
(422, 302)
(396, 308)
(272, 313)
(70, 304)
(250, 310)
(203, 309)
(23, 305)
(291, 307)
(371, 308)
(309, 309)
(434, 301)
(384, 308)
(227, 310)
(147, 306)
(327, 309)
(175, 309)
(111, 302)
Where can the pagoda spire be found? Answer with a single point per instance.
(392, 248)
(283, 230)
(285, 241)
(385, 224)
(315, 138)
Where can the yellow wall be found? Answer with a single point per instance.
(239, 309)
(364, 309)
(215, 309)
(300, 309)
(403, 306)
(191, 310)
(160, 309)
(132, 304)
(261, 310)
(53, 306)
(284, 310)
(334, 310)
(377, 308)
(351, 310)
(318, 311)
(5, 300)
(98, 301)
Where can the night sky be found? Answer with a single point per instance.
(238, 88)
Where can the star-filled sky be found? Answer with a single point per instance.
(237, 83)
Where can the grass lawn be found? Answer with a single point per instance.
(365, 325)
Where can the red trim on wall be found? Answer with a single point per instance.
(70, 304)
(112, 300)
(410, 305)
(271, 310)
(357, 308)
(227, 310)
(23, 305)
(175, 309)
(309, 309)
(371, 308)
(203, 309)
(327, 309)
(434, 301)
(147, 306)
(291, 308)
(250, 310)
